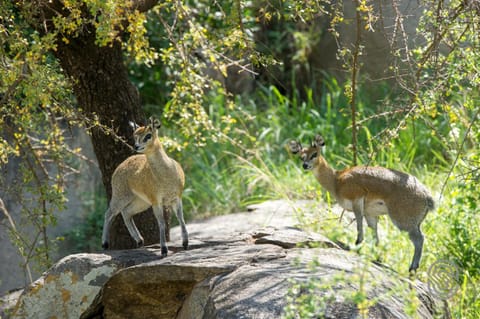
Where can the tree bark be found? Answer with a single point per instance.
(104, 91)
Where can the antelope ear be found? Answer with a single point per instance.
(155, 123)
(318, 141)
(133, 125)
(295, 147)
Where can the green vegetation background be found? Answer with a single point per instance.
(253, 165)
(244, 160)
(249, 163)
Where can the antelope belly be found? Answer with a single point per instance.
(375, 208)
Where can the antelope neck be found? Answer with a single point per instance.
(157, 156)
(325, 175)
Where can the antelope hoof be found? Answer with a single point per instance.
(105, 245)
(140, 243)
(358, 241)
(185, 244)
(164, 251)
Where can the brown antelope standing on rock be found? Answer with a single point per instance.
(372, 191)
(149, 179)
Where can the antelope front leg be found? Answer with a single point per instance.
(158, 212)
(359, 219)
(358, 211)
(132, 228)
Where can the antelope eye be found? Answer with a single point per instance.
(314, 155)
(147, 137)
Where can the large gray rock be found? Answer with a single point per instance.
(69, 287)
(247, 265)
(259, 289)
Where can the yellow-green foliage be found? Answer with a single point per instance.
(424, 121)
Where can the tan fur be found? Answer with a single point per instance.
(151, 179)
(372, 191)
(160, 178)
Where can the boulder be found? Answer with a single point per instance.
(255, 264)
(70, 286)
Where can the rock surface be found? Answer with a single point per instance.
(246, 265)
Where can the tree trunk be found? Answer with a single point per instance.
(103, 90)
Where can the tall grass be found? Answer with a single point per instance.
(252, 164)
(248, 162)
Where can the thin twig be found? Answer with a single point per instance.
(459, 152)
(18, 238)
(355, 70)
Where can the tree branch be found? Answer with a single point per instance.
(144, 5)
(18, 238)
(355, 69)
